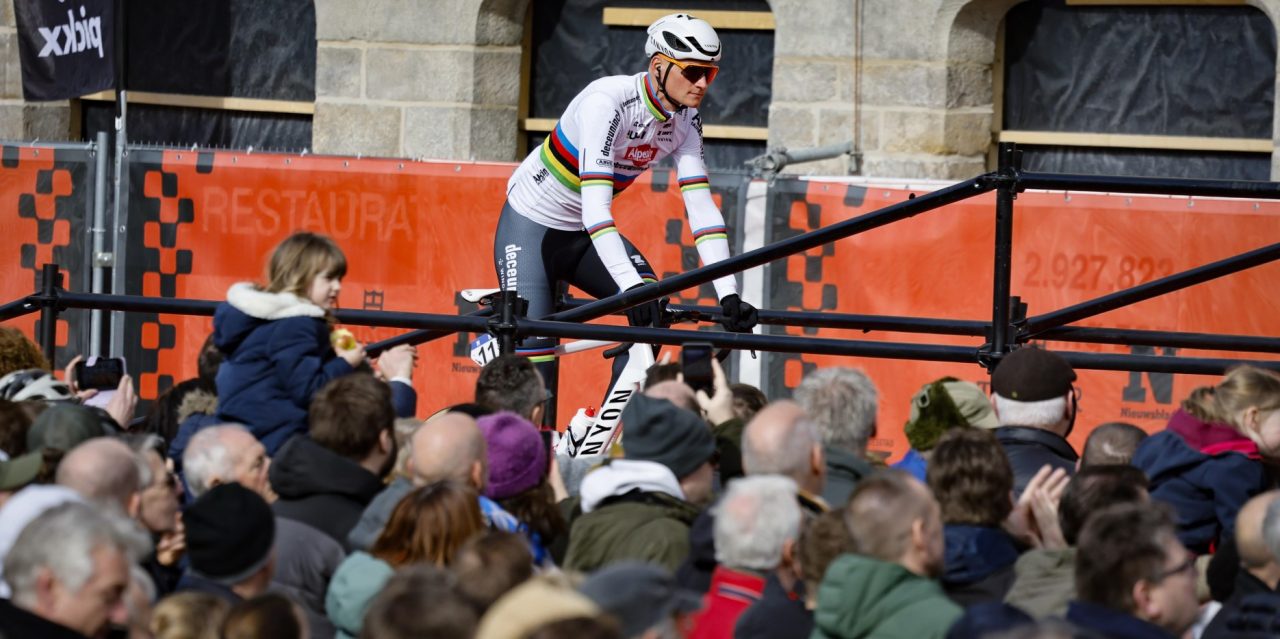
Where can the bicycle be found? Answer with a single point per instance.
(592, 433)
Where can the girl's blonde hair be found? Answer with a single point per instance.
(297, 261)
(1243, 387)
(189, 615)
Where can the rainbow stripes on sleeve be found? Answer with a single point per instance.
(599, 230)
(694, 183)
(561, 159)
(710, 233)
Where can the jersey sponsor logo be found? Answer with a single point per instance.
(666, 131)
(613, 130)
(605, 162)
(511, 271)
(631, 101)
(697, 123)
(540, 175)
(641, 155)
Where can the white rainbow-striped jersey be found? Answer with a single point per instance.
(610, 133)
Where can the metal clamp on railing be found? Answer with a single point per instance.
(509, 309)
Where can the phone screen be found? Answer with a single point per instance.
(102, 374)
(695, 363)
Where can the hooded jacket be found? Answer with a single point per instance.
(1206, 472)
(357, 582)
(1045, 582)
(979, 564)
(862, 597)
(321, 488)
(631, 510)
(278, 356)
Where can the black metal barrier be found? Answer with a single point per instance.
(1009, 326)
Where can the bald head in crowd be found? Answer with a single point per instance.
(105, 471)
(450, 446)
(1111, 443)
(1253, 537)
(781, 440)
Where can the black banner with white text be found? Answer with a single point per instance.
(66, 47)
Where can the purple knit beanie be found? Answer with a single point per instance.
(517, 461)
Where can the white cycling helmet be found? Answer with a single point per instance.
(34, 383)
(683, 37)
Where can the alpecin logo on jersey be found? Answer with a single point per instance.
(641, 155)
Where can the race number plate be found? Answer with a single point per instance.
(484, 349)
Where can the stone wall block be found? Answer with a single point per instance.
(7, 19)
(497, 77)
(897, 30)
(805, 81)
(338, 71)
(912, 132)
(968, 133)
(438, 133)
(407, 21)
(901, 84)
(870, 130)
(492, 131)
(501, 22)
(835, 125)
(792, 126)
(810, 28)
(50, 121)
(11, 122)
(349, 129)
(10, 66)
(418, 75)
(969, 85)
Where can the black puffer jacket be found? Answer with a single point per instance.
(321, 488)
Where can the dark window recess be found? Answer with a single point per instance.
(233, 48)
(573, 47)
(1168, 70)
(1147, 162)
(175, 126)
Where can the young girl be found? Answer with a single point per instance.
(277, 340)
(1208, 461)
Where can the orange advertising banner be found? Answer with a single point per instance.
(1068, 248)
(416, 233)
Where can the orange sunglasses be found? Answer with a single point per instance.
(693, 71)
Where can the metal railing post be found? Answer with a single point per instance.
(1001, 305)
(50, 285)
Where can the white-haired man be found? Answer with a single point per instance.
(69, 570)
(757, 525)
(1035, 400)
(305, 558)
(843, 403)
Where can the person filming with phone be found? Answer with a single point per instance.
(558, 222)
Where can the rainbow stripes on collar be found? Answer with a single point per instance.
(650, 95)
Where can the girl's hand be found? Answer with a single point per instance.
(354, 355)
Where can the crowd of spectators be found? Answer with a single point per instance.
(717, 515)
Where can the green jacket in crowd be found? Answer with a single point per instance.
(1045, 582)
(862, 597)
(650, 527)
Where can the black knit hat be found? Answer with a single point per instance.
(1032, 374)
(657, 430)
(230, 533)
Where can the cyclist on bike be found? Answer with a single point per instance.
(557, 224)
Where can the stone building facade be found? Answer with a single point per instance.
(396, 78)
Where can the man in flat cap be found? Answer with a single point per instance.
(1035, 399)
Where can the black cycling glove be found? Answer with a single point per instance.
(739, 316)
(647, 314)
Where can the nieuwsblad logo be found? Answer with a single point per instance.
(75, 36)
